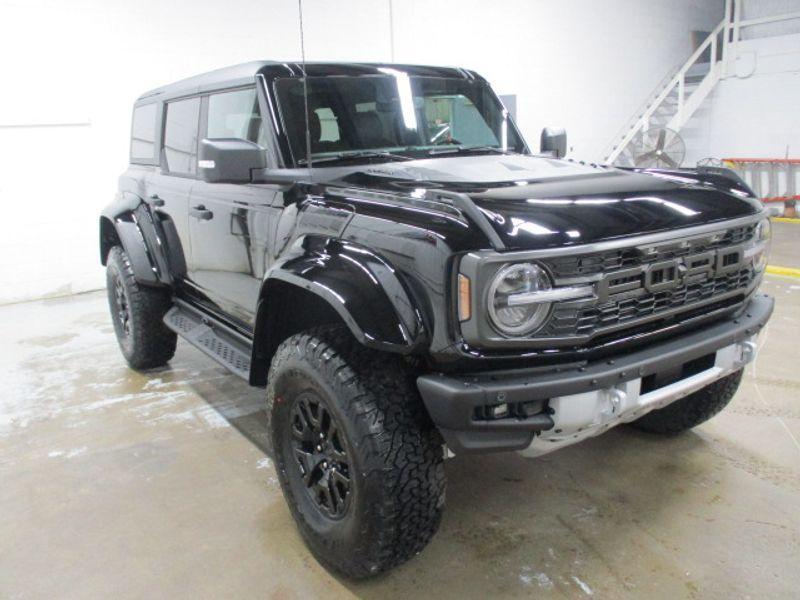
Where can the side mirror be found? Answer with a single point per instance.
(229, 160)
(554, 141)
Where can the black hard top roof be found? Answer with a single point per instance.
(244, 73)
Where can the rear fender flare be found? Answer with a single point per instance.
(123, 222)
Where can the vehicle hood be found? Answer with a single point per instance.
(536, 202)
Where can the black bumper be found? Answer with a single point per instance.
(452, 400)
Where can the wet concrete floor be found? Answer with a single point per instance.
(118, 484)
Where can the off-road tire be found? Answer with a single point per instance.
(398, 483)
(692, 410)
(146, 342)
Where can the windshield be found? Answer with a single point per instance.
(393, 116)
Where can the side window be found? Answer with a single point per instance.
(143, 134)
(235, 115)
(180, 136)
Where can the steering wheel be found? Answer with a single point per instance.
(441, 142)
(440, 138)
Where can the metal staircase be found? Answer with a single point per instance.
(676, 99)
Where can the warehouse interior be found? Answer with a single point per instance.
(126, 484)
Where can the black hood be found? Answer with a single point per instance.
(536, 202)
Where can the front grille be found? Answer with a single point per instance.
(586, 321)
(605, 262)
(637, 289)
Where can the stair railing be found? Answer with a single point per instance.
(729, 31)
(684, 107)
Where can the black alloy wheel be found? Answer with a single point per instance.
(357, 456)
(121, 302)
(137, 314)
(321, 455)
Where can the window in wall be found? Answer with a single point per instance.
(143, 133)
(180, 136)
(236, 115)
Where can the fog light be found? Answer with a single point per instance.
(500, 411)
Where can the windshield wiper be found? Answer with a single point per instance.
(356, 154)
(467, 149)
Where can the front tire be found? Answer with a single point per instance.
(359, 461)
(692, 410)
(137, 313)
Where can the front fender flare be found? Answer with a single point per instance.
(364, 290)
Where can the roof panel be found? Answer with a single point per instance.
(244, 73)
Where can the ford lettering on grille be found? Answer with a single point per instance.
(670, 274)
(636, 284)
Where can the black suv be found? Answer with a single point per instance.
(378, 247)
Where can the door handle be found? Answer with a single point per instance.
(201, 212)
(155, 200)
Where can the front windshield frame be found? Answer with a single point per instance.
(475, 95)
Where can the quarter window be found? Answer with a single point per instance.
(235, 115)
(143, 134)
(180, 136)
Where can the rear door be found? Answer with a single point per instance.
(171, 184)
(230, 224)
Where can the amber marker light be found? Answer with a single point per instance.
(464, 298)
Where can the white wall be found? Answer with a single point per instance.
(754, 9)
(71, 71)
(579, 64)
(753, 112)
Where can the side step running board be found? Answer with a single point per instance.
(211, 338)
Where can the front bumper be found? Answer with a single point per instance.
(588, 399)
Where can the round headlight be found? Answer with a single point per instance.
(514, 318)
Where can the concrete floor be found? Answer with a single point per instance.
(126, 485)
(786, 244)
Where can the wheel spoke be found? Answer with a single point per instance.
(306, 464)
(337, 451)
(340, 488)
(302, 413)
(301, 434)
(321, 489)
(301, 431)
(312, 413)
(340, 478)
(330, 432)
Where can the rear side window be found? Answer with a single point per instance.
(143, 134)
(180, 136)
(235, 115)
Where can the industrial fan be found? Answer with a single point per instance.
(659, 148)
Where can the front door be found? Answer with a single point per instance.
(230, 224)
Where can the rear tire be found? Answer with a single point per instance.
(385, 455)
(137, 313)
(692, 410)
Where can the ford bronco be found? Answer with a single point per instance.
(378, 247)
